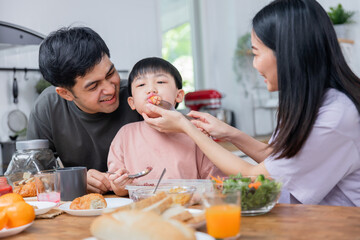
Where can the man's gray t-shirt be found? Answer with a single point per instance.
(79, 138)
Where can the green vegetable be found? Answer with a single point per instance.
(251, 198)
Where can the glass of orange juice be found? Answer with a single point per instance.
(223, 214)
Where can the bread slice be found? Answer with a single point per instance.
(142, 203)
(149, 201)
(160, 206)
(136, 224)
(177, 212)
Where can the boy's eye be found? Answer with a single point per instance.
(161, 82)
(141, 85)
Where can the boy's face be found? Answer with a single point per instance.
(158, 83)
(97, 91)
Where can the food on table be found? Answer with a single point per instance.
(26, 190)
(25, 187)
(89, 201)
(4, 186)
(164, 205)
(14, 211)
(256, 192)
(180, 195)
(154, 99)
(136, 224)
(19, 214)
(177, 212)
(147, 184)
(8, 199)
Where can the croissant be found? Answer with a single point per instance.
(89, 201)
(26, 190)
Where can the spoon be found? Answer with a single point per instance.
(161, 176)
(139, 174)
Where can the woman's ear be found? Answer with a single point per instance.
(131, 103)
(180, 96)
(64, 93)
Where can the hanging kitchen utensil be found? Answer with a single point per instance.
(25, 75)
(17, 123)
(15, 89)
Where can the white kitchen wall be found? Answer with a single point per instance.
(132, 31)
(222, 23)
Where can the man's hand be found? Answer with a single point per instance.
(97, 182)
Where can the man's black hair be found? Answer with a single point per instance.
(69, 53)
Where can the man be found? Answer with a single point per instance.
(86, 106)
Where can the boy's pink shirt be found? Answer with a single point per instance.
(137, 146)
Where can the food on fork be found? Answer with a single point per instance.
(88, 201)
(154, 99)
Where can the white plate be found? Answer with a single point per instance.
(111, 203)
(196, 212)
(30, 199)
(203, 236)
(198, 235)
(43, 207)
(12, 231)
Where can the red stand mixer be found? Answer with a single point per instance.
(209, 101)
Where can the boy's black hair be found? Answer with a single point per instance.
(69, 53)
(153, 65)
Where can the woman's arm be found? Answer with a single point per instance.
(171, 121)
(220, 130)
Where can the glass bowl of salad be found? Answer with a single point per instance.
(258, 194)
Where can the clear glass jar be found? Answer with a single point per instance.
(30, 157)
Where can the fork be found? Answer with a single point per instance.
(168, 106)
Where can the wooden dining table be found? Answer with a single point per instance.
(284, 221)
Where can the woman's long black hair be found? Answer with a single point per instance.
(309, 61)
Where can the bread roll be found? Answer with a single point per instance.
(89, 201)
(136, 224)
(26, 190)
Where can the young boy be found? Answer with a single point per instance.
(137, 145)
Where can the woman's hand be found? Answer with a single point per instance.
(169, 121)
(207, 123)
(119, 180)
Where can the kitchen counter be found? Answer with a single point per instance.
(285, 221)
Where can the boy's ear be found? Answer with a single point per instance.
(64, 93)
(131, 103)
(180, 96)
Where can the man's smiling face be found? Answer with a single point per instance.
(97, 91)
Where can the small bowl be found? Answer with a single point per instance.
(202, 185)
(180, 194)
(255, 200)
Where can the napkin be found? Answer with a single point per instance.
(50, 214)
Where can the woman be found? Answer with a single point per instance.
(315, 147)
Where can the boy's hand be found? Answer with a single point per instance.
(119, 180)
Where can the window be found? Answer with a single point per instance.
(177, 40)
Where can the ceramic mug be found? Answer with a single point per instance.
(73, 182)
